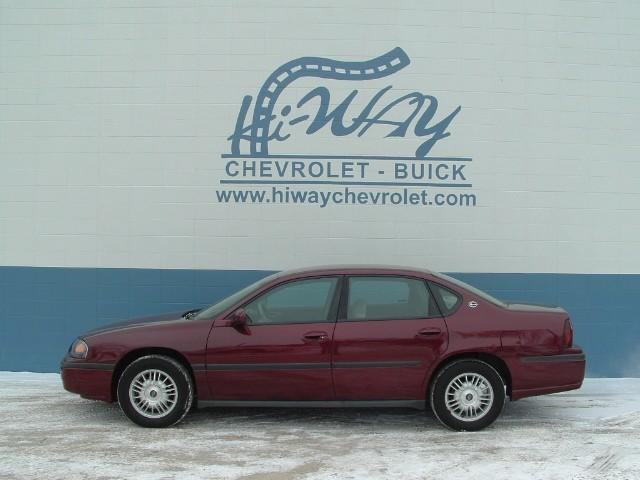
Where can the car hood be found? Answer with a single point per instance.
(135, 322)
(533, 307)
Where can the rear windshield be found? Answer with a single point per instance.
(471, 289)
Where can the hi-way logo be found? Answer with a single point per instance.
(260, 132)
(260, 125)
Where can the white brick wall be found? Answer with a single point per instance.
(114, 114)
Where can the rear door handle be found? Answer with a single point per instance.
(429, 332)
(315, 337)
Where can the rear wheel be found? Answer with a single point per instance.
(155, 391)
(467, 395)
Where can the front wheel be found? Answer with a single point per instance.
(467, 395)
(155, 391)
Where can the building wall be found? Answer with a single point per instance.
(136, 139)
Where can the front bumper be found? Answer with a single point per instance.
(539, 375)
(89, 380)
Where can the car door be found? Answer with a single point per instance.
(284, 351)
(388, 334)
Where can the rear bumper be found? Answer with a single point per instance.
(89, 380)
(539, 375)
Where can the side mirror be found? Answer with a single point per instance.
(240, 321)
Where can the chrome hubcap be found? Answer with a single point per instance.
(469, 397)
(153, 393)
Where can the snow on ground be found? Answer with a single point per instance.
(592, 433)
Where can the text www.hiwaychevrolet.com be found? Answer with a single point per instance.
(346, 196)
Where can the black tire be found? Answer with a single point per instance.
(451, 417)
(180, 388)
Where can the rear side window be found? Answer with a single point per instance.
(388, 298)
(449, 300)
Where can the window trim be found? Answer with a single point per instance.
(333, 309)
(344, 298)
(437, 299)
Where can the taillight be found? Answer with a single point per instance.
(567, 336)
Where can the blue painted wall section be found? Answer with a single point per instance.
(43, 309)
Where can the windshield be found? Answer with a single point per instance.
(217, 308)
(472, 289)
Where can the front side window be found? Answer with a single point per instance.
(300, 301)
(392, 298)
(217, 308)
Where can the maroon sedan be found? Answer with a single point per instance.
(333, 336)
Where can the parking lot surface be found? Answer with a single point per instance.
(46, 432)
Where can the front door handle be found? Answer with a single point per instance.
(429, 332)
(319, 337)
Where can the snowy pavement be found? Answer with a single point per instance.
(47, 433)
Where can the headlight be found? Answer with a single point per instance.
(79, 349)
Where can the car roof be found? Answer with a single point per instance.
(353, 269)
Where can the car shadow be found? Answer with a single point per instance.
(523, 412)
(387, 418)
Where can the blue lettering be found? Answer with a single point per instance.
(457, 172)
(230, 164)
(259, 132)
(400, 170)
